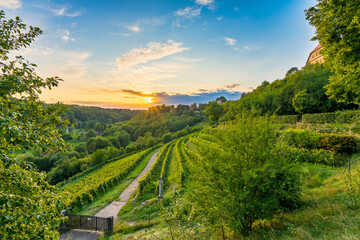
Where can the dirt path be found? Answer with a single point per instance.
(113, 208)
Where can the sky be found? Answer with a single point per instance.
(134, 54)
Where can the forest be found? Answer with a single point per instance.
(282, 162)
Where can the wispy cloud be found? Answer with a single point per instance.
(12, 4)
(189, 12)
(65, 35)
(249, 48)
(204, 2)
(135, 28)
(230, 41)
(153, 51)
(219, 18)
(63, 11)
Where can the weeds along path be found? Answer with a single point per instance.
(113, 208)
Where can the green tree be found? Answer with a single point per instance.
(214, 111)
(302, 102)
(99, 156)
(90, 133)
(246, 178)
(338, 31)
(292, 71)
(29, 207)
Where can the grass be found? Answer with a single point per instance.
(115, 192)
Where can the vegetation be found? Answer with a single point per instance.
(337, 29)
(83, 191)
(29, 207)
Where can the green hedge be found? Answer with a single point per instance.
(290, 119)
(319, 118)
(322, 156)
(349, 116)
(338, 143)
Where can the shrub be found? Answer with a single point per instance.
(349, 116)
(319, 118)
(291, 119)
(301, 138)
(339, 143)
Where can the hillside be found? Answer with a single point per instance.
(277, 97)
(204, 171)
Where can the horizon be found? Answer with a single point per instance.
(133, 55)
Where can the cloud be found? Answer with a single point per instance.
(248, 48)
(153, 51)
(65, 35)
(12, 4)
(64, 12)
(189, 12)
(134, 28)
(236, 9)
(204, 2)
(230, 41)
(219, 18)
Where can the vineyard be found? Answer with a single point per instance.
(321, 162)
(86, 189)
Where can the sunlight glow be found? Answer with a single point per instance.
(149, 99)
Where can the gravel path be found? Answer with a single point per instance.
(112, 209)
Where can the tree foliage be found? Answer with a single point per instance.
(244, 177)
(30, 209)
(337, 26)
(277, 97)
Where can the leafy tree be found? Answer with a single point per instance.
(90, 133)
(29, 207)
(81, 149)
(99, 156)
(302, 102)
(245, 179)
(214, 111)
(291, 71)
(124, 138)
(98, 127)
(338, 31)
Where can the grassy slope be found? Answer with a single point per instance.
(325, 211)
(115, 192)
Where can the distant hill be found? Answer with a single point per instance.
(77, 113)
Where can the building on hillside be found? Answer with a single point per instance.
(315, 56)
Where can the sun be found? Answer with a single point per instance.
(149, 99)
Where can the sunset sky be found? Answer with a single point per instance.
(136, 53)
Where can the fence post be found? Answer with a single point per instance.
(110, 224)
(63, 224)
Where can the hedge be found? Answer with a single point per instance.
(338, 143)
(319, 118)
(290, 119)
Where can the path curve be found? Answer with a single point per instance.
(113, 208)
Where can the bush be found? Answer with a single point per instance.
(319, 118)
(349, 116)
(339, 143)
(301, 138)
(291, 119)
